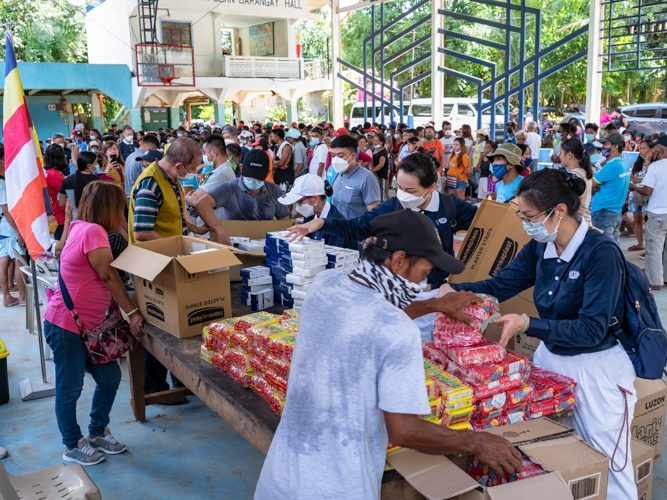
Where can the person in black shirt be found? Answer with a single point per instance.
(485, 170)
(381, 164)
(72, 186)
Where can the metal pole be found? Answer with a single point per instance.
(39, 320)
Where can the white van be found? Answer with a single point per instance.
(457, 110)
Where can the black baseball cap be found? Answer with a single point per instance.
(256, 164)
(151, 156)
(614, 138)
(416, 235)
(660, 141)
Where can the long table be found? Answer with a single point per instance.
(246, 412)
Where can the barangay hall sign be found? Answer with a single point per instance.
(263, 8)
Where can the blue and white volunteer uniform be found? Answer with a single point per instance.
(575, 305)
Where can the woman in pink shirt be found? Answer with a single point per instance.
(605, 117)
(85, 266)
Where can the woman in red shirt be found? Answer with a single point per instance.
(55, 164)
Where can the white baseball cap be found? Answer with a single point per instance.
(293, 133)
(306, 185)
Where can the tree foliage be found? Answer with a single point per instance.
(44, 31)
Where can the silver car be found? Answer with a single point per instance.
(646, 118)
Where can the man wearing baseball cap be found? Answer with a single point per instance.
(246, 198)
(310, 196)
(299, 153)
(507, 167)
(611, 184)
(368, 370)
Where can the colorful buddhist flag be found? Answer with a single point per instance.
(27, 193)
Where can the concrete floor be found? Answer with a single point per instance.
(184, 452)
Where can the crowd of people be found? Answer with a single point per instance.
(112, 189)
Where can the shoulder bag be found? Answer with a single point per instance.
(107, 341)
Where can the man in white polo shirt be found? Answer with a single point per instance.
(655, 186)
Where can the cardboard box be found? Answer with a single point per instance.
(439, 477)
(253, 230)
(584, 468)
(176, 291)
(493, 240)
(642, 462)
(649, 418)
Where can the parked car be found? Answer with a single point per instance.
(646, 118)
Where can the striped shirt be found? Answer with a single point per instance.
(147, 201)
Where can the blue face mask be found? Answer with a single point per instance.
(252, 184)
(527, 162)
(499, 171)
(314, 142)
(590, 137)
(557, 135)
(595, 157)
(209, 164)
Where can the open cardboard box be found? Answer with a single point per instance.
(176, 291)
(642, 463)
(493, 240)
(573, 465)
(255, 230)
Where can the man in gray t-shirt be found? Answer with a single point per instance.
(357, 377)
(299, 152)
(133, 162)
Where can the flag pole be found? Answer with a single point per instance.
(35, 284)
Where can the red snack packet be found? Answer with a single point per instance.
(218, 359)
(448, 332)
(240, 342)
(260, 351)
(509, 418)
(545, 378)
(565, 401)
(482, 312)
(258, 384)
(277, 366)
(541, 408)
(504, 401)
(504, 383)
(276, 400)
(484, 353)
(262, 334)
(245, 322)
(241, 377)
(486, 476)
(241, 360)
(435, 354)
(257, 365)
(277, 382)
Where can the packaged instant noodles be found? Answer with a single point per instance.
(292, 313)
(289, 323)
(238, 358)
(206, 354)
(255, 319)
(240, 377)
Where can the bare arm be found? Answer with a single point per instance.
(297, 170)
(284, 160)
(381, 163)
(451, 304)
(193, 197)
(442, 157)
(68, 220)
(205, 208)
(320, 169)
(644, 190)
(412, 432)
(371, 206)
(101, 259)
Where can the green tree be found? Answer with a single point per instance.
(44, 31)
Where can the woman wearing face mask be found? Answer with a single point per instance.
(507, 168)
(637, 202)
(484, 167)
(416, 182)
(459, 169)
(466, 134)
(576, 292)
(381, 164)
(55, 163)
(574, 159)
(309, 195)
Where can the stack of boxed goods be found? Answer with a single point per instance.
(257, 289)
(255, 350)
(294, 265)
(500, 379)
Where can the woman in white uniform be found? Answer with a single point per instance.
(577, 292)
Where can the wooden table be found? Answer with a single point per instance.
(246, 412)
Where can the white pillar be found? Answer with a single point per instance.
(290, 34)
(337, 83)
(217, 33)
(593, 77)
(436, 60)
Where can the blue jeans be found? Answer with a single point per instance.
(71, 359)
(608, 222)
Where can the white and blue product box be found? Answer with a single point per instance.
(262, 299)
(256, 280)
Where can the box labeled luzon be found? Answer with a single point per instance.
(176, 291)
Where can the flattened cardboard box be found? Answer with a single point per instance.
(494, 239)
(176, 291)
(255, 230)
(439, 477)
(649, 418)
(642, 462)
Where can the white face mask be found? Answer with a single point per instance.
(448, 133)
(397, 136)
(128, 139)
(539, 232)
(306, 209)
(340, 164)
(410, 200)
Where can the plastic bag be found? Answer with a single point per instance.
(504, 383)
(255, 319)
(449, 333)
(484, 353)
(487, 477)
(482, 312)
(545, 379)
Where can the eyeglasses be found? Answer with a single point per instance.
(531, 219)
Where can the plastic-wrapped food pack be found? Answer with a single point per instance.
(509, 418)
(290, 323)
(276, 400)
(484, 353)
(434, 404)
(487, 477)
(292, 313)
(238, 358)
(240, 342)
(448, 332)
(456, 416)
(455, 394)
(263, 334)
(564, 401)
(541, 408)
(504, 383)
(283, 347)
(206, 354)
(545, 379)
(255, 319)
(483, 374)
(434, 354)
(208, 339)
(222, 328)
(276, 381)
(277, 366)
(482, 312)
(503, 402)
(257, 366)
(218, 360)
(241, 377)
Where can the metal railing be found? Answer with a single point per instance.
(209, 65)
(316, 69)
(263, 67)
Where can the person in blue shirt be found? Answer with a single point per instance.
(310, 196)
(612, 184)
(507, 167)
(416, 180)
(577, 292)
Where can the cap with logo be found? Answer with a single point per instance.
(306, 185)
(256, 164)
(511, 152)
(416, 235)
(152, 155)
